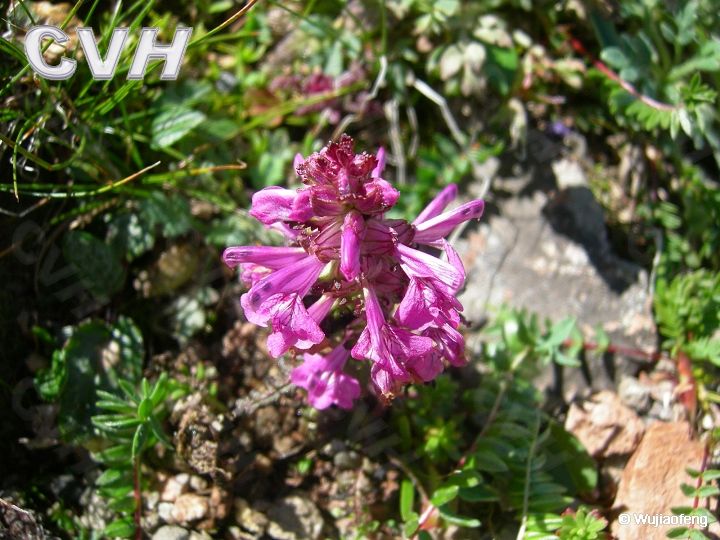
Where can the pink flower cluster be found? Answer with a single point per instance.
(313, 84)
(346, 261)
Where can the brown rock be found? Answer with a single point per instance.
(650, 483)
(174, 487)
(604, 425)
(189, 507)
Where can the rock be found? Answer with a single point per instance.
(333, 447)
(294, 517)
(189, 507)
(252, 523)
(568, 173)
(604, 425)
(650, 483)
(547, 250)
(164, 510)
(174, 487)
(517, 258)
(171, 532)
(346, 461)
(635, 394)
(96, 514)
(198, 483)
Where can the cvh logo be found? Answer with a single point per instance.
(104, 68)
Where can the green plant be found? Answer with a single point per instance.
(652, 88)
(131, 425)
(521, 463)
(704, 489)
(582, 524)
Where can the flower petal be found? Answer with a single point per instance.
(427, 302)
(353, 231)
(438, 204)
(267, 256)
(298, 278)
(323, 378)
(418, 264)
(292, 326)
(379, 197)
(273, 204)
(440, 226)
(426, 367)
(380, 167)
(454, 259)
(325, 201)
(298, 160)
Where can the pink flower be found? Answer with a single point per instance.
(323, 378)
(345, 255)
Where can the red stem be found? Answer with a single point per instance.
(610, 74)
(138, 499)
(619, 349)
(699, 483)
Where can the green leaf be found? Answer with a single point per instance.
(120, 528)
(486, 460)
(84, 370)
(114, 406)
(562, 330)
(456, 519)
(411, 525)
(708, 491)
(407, 499)
(49, 382)
(115, 455)
(159, 433)
(145, 409)
(501, 67)
(601, 339)
(132, 349)
(615, 57)
(334, 64)
(95, 263)
(112, 477)
(450, 62)
(160, 389)
(116, 492)
(444, 495)
(171, 125)
(481, 493)
(125, 504)
(572, 466)
(694, 534)
(565, 360)
(191, 313)
(172, 212)
(139, 440)
(130, 235)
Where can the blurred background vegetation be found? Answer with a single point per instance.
(117, 197)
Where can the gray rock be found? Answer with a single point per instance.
(635, 394)
(252, 524)
(171, 532)
(551, 255)
(346, 461)
(333, 447)
(164, 510)
(295, 517)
